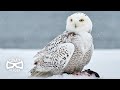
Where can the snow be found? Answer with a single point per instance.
(105, 62)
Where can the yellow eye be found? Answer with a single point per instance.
(81, 20)
(71, 20)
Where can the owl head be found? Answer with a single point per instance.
(78, 22)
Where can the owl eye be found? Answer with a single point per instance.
(81, 20)
(71, 20)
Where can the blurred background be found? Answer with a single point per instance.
(34, 29)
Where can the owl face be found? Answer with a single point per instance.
(78, 22)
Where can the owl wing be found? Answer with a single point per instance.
(55, 55)
(49, 48)
(56, 60)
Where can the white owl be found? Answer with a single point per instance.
(68, 52)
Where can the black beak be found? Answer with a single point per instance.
(75, 26)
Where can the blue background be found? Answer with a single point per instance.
(34, 29)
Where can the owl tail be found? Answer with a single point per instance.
(35, 73)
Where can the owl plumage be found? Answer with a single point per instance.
(68, 52)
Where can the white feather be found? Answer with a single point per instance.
(86, 41)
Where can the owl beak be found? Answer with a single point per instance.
(75, 26)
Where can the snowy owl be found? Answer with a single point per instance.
(69, 52)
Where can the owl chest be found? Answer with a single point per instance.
(77, 60)
(82, 42)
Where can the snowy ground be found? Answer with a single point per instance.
(105, 62)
